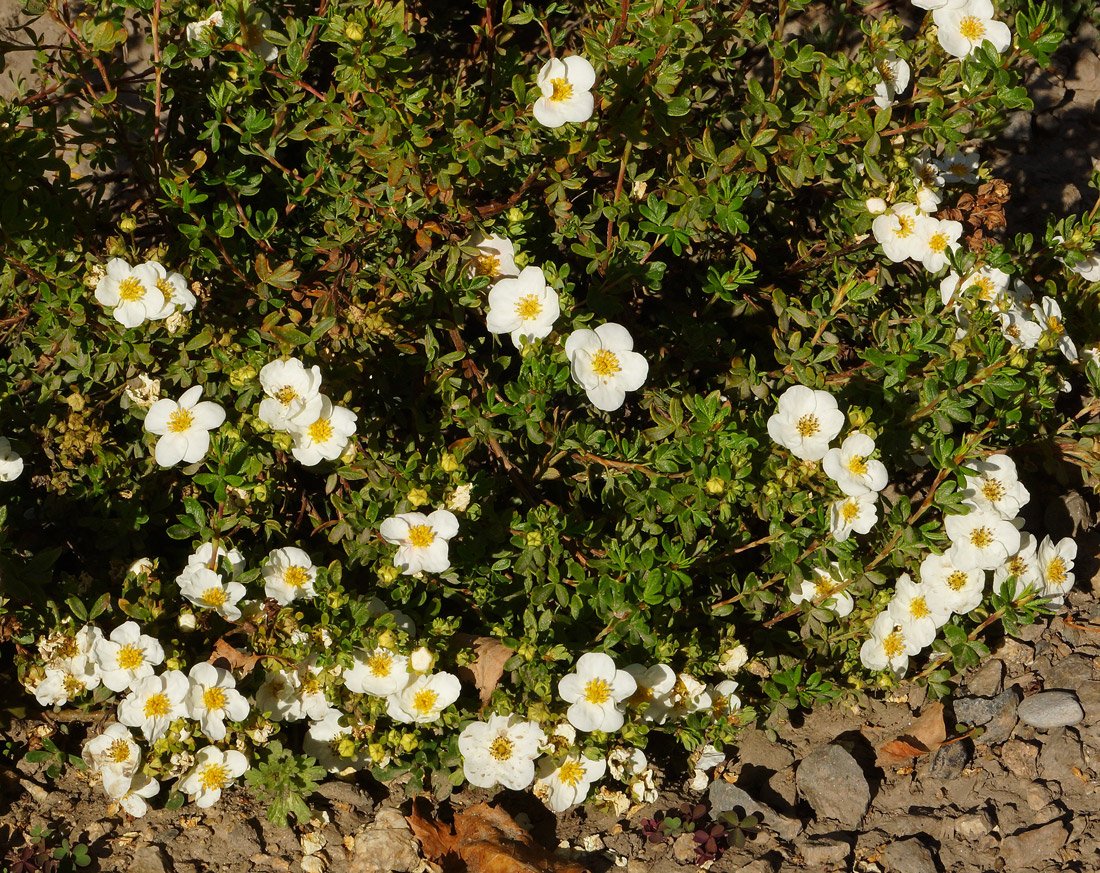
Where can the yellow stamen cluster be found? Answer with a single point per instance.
(597, 691)
(605, 363)
(421, 536)
(501, 748)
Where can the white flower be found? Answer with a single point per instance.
(937, 238)
(959, 590)
(961, 29)
(1023, 566)
(292, 392)
(197, 30)
(278, 696)
(323, 437)
(214, 770)
(206, 556)
(141, 391)
(66, 679)
(323, 742)
(653, 687)
(525, 307)
(928, 199)
(850, 468)
(887, 646)
(602, 363)
(154, 703)
(497, 258)
(733, 659)
(289, 575)
(689, 695)
(826, 589)
(421, 660)
(566, 86)
(133, 798)
(1055, 562)
(184, 427)
(926, 172)
(625, 764)
(424, 698)
(212, 698)
(960, 167)
(132, 291)
(422, 540)
(254, 23)
(724, 700)
(859, 514)
(896, 231)
(563, 785)
(1088, 268)
(380, 672)
(894, 73)
(126, 656)
(501, 751)
(995, 486)
(115, 755)
(206, 590)
(172, 289)
(981, 539)
(1049, 315)
(805, 422)
(11, 465)
(596, 690)
(992, 285)
(920, 612)
(1019, 328)
(459, 499)
(937, 4)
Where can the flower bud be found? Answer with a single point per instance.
(128, 224)
(387, 640)
(386, 575)
(353, 32)
(448, 463)
(715, 485)
(875, 205)
(534, 539)
(409, 742)
(186, 620)
(417, 497)
(242, 376)
(421, 660)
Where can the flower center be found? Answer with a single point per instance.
(905, 226)
(957, 580)
(130, 290)
(571, 773)
(119, 751)
(157, 706)
(166, 289)
(1056, 571)
(130, 658)
(981, 538)
(295, 577)
(938, 242)
(421, 536)
(894, 643)
(825, 587)
(993, 490)
(1013, 331)
(807, 426)
(605, 363)
(214, 596)
(501, 748)
(285, 395)
(857, 466)
(528, 307)
(67, 648)
(380, 664)
(1054, 325)
(214, 698)
(971, 28)
(849, 511)
(180, 421)
(959, 169)
(424, 700)
(213, 776)
(887, 73)
(597, 691)
(985, 287)
(487, 265)
(73, 686)
(562, 89)
(927, 175)
(321, 431)
(1017, 566)
(918, 608)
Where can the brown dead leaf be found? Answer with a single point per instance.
(484, 839)
(236, 659)
(486, 670)
(923, 736)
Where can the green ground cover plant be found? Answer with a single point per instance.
(478, 390)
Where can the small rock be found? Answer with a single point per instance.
(385, 850)
(683, 848)
(1038, 795)
(1029, 847)
(998, 714)
(832, 782)
(1088, 695)
(973, 826)
(725, 796)
(1019, 758)
(344, 792)
(948, 761)
(1061, 755)
(1069, 673)
(909, 856)
(1019, 126)
(820, 851)
(1013, 652)
(987, 680)
(1050, 709)
(149, 859)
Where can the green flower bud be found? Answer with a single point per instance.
(715, 485)
(353, 32)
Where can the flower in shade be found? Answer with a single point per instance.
(960, 167)
(424, 698)
(894, 78)
(525, 307)
(11, 465)
(501, 751)
(321, 432)
(172, 289)
(496, 257)
(596, 691)
(805, 422)
(653, 687)
(566, 86)
(826, 590)
(1023, 567)
(991, 285)
(210, 556)
(1019, 328)
(212, 698)
(961, 28)
(1049, 315)
(887, 646)
(602, 362)
(1055, 562)
(154, 703)
(992, 484)
(139, 789)
(565, 784)
(981, 539)
(184, 427)
(850, 467)
(214, 770)
(197, 30)
(857, 514)
(292, 392)
(289, 575)
(422, 540)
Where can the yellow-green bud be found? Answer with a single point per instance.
(353, 32)
(1018, 360)
(448, 463)
(527, 651)
(515, 214)
(282, 441)
(346, 747)
(128, 224)
(409, 742)
(534, 539)
(242, 375)
(387, 575)
(715, 485)
(856, 416)
(417, 497)
(260, 492)
(377, 752)
(1047, 341)
(854, 85)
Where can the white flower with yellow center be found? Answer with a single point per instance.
(851, 467)
(496, 258)
(525, 307)
(330, 742)
(1023, 567)
(961, 29)
(116, 757)
(653, 687)
(887, 647)
(723, 698)
(380, 672)
(289, 575)
(126, 656)
(596, 692)
(323, 434)
(992, 484)
(11, 464)
(184, 427)
(278, 697)
(826, 590)
(292, 391)
(1049, 315)
(563, 784)
(566, 86)
(960, 167)
(959, 590)
(132, 291)
(213, 698)
(859, 514)
(926, 173)
(214, 771)
(937, 238)
(67, 679)
(1055, 562)
(140, 788)
(171, 289)
(1019, 328)
(981, 539)
(896, 231)
(806, 421)
(602, 363)
(207, 590)
(919, 610)
(424, 698)
(422, 540)
(501, 751)
(198, 30)
(893, 79)
(154, 703)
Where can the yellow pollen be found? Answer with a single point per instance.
(180, 421)
(985, 287)
(1056, 571)
(380, 664)
(130, 658)
(721, 705)
(571, 773)
(487, 265)
(959, 169)
(597, 691)
(807, 426)
(850, 511)
(118, 752)
(214, 597)
(993, 490)
(321, 431)
(214, 698)
(166, 289)
(157, 706)
(73, 686)
(981, 538)
(605, 363)
(1017, 566)
(424, 700)
(906, 226)
(562, 89)
(938, 242)
(528, 307)
(857, 466)
(887, 73)
(295, 577)
(918, 608)
(957, 580)
(927, 174)
(285, 395)
(421, 536)
(971, 28)
(130, 290)
(501, 748)
(213, 776)
(1054, 325)
(894, 644)
(825, 586)
(68, 648)
(1013, 331)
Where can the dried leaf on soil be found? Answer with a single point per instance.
(485, 839)
(237, 659)
(486, 670)
(924, 735)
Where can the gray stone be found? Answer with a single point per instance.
(821, 851)
(1061, 754)
(1019, 758)
(1050, 709)
(909, 856)
(385, 850)
(948, 761)
(1069, 673)
(987, 680)
(997, 714)
(1033, 846)
(149, 859)
(1088, 695)
(1019, 126)
(832, 782)
(1038, 796)
(725, 796)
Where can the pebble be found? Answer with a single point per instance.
(832, 782)
(149, 859)
(987, 680)
(724, 796)
(909, 856)
(997, 714)
(948, 761)
(1019, 758)
(1050, 709)
(821, 851)
(1030, 847)
(1069, 673)
(973, 826)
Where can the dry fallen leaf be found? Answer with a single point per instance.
(485, 839)
(236, 659)
(923, 736)
(486, 670)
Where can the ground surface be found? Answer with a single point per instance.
(836, 789)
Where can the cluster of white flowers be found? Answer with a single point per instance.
(11, 464)
(143, 293)
(294, 404)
